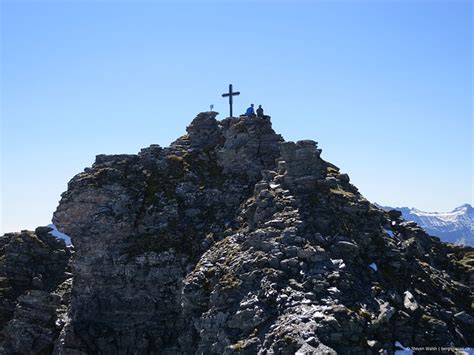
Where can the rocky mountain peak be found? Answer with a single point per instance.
(466, 208)
(232, 240)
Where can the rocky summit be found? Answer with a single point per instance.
(229, 241)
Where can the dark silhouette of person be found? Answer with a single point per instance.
(250, 111)
(260, 111)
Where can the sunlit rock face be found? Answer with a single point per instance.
(232, 240)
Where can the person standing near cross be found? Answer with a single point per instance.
(230, 94)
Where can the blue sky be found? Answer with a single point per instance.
(385, 87)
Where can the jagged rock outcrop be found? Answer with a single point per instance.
(234, 241)
(32, 266)
(139, 223)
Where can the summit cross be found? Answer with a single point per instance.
(230, 94)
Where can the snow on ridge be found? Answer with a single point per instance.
(389, 233)
(373, 266)
(453, 213)
(456, 226)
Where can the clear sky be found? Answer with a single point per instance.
(385, 87)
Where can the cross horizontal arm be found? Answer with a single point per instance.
(233, 94)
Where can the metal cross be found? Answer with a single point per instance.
(230, 94)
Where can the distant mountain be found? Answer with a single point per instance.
(456, 226)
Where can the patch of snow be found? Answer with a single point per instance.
(373, 266)
(403, 351)
(371, 343)
(60, 235)
(389, 232)
(274, 186)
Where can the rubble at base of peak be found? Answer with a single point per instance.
(232, 240)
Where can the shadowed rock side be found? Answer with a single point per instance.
(232, 240)
(33, 285)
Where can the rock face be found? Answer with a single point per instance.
(32, 267)
(232, 240)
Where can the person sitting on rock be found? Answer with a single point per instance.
(250, 111)
(260, 111)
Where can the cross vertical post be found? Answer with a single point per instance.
(230, 94)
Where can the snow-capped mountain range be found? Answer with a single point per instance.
(456, 226)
